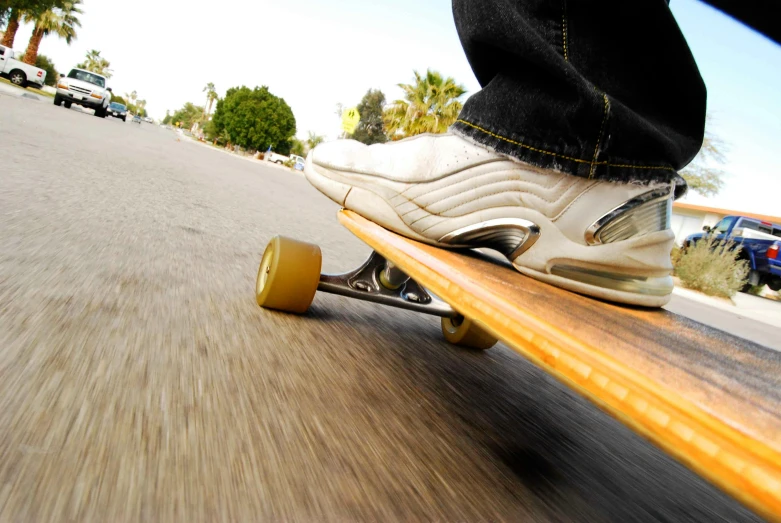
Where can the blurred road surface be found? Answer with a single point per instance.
(139, 381)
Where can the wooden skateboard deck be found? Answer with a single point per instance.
(710, 399)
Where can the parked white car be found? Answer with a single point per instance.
(84, 88)
(276, 158)
(18, 72)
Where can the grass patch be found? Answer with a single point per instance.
(31, 89)
(711, 267)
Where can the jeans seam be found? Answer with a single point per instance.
(564, 29)
(599, 138)
(557, 155)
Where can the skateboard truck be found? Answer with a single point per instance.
(289, 275)
(380, 281)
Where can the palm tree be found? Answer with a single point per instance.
(11, 27)
(313, 140)
(298, 148)
(62, 22)
(430, 105)
(211, 95)
(96, 64)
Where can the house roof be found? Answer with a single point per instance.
(725, 212)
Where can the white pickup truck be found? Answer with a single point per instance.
(84, 88)
(276, 158)
(18, 72)
(280, 159)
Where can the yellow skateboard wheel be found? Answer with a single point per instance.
(288, 275)
(466, 333)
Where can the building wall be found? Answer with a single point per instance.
(685, 223)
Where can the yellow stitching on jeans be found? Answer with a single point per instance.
(599, 140)
(564, 28)
(649, 167)
(486, 131)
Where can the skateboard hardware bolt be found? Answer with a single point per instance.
(362, 286)
(413, 297)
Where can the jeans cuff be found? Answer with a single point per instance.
(610, 170)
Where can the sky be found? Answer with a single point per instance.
(316, 54)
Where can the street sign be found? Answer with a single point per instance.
(350, 119)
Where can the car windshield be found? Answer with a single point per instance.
(723, 225)
(84, 76)
(118, 107)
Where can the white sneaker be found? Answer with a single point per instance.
(609, 240)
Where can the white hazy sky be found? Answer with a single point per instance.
(316, 54)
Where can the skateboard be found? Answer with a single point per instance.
(679, 384)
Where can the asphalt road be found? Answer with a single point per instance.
(139, 381)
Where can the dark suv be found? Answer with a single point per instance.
(117, 110)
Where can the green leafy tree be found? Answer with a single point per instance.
(430, 105)
(61, 21)
(703, 174)
(209, 131)
(47, 65)
(371, 128)
(119, 99)
(96, 63)
(187, 115)
(255, 119)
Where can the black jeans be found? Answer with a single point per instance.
(603, 89)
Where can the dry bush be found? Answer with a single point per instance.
(712, 267)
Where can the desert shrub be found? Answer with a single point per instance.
(712, 267)
(675, 255)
